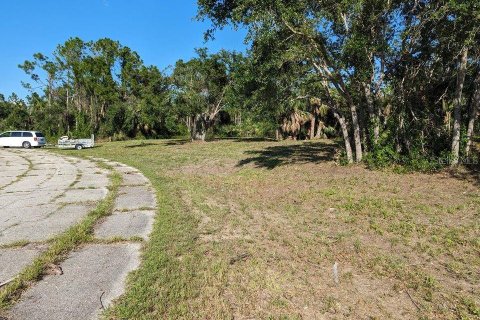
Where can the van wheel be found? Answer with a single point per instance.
(26, 145)
(79, 147)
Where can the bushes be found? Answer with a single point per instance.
(247, 129)
(386, 156)
(382, 157)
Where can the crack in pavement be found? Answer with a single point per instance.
(20, 198)
(99, 266)
(19, 176)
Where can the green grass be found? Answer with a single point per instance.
(251, 229)
(60, 246)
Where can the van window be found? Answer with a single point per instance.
(28, 134)
(5, 135)
(16, 134)
(39, 134)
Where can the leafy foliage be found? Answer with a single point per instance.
(398, 81)
(203, 87)
(97, 87)
(389, 71)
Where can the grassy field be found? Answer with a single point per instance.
(253, 229)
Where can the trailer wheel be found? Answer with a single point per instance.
(78, 147)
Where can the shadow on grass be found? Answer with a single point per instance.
(245, 139)
(181, 142)
(275, 156)
(141, 145)
(468, 172)
(470, 167)
(178, 142)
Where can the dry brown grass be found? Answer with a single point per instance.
(403, 242)
(271, 219)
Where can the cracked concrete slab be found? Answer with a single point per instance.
(4, 180)
(93, 276)
(26, 184)
(134, 179)
(51, 224)
(13, 261)
(114, 164)
(83, 195)
(14, 215)
(14, 170)
(31, 206)
(92, 180)
(11, 176)
(125, 169)
(25, 199)
(126, 225)
(134, 198)
(52, 194)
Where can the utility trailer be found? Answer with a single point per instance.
(79, 144)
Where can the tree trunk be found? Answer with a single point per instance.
(473, 114)
(343, 125)
(278, 135)
(320, 133)
(188, 122)
(50, 88)
(356, 133)
(457, 114)
(346, 137)
(312, 127)
(198, 129)
(238, 118)
(342, 89)
(374, 120)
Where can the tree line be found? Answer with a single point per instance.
(397, 81)
(400, 77)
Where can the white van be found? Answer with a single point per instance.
(24, 139)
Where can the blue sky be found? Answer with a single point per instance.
(161, 31)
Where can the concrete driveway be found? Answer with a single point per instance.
(42, 194)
